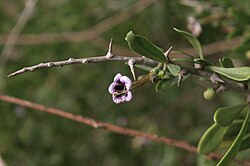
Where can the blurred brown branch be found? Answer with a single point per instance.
(88, 34)
(110, 127)
(17, 29)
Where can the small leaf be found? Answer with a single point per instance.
(174, 69)
(245, 144)
(143, 67)
(165, 84)
(204, 62)
(144, 47)
(226, 62)
(211, 139)
(193, 40)
(233, 150)
(234, 129)
(237, 73)
(224, 116)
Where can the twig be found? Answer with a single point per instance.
(88, 34)
(71, 61)
(17, 29)
(110, 127)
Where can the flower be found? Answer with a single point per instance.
(120, 89)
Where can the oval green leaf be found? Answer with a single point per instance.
(234, 148)
(144, 47)
(224, 116)
(211, 139)
(237, 73)
(226, 62)
(174, 69)
(193, 40)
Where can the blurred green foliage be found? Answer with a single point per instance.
(29, 138)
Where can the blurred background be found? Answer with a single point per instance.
(45, 30)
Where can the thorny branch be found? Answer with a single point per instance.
(143, 60)
(71, 61)
(113, 128)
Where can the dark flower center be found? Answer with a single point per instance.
(120, 88)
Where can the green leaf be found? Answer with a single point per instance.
(144, 47)
(224, 116)
(165, 84)
(233, 150)
(235, 127)
(211, 139)
(193, 40)
(143, 67)
(174, 69)
(204, 62)
(245, 144)
(226, 62)
(237, 73)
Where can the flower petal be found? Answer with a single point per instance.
(126, 81)
(111, 88)
(118, 99)
(117, 77)
(129, 96)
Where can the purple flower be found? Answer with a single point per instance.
(120, 89)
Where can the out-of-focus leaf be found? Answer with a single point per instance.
(233, 150)
(245, 144)
(144, 47)
(211, 139)
(226, 62)
(237, 73)
(193, 40)
(224, 116)
(203, 161)
(234, 128)
(174, 69)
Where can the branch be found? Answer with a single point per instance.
(17, 29)
(85, 35)
(106, 58)
(112, 128)
(71, 61)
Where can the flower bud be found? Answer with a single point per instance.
(209, 93)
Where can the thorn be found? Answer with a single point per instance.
(109, 53)
(131, 63)
(181, 75)
(215, 79)
(168, 52)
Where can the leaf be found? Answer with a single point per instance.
(237, 73)
(202, 160)
(211, 139)
(174, 69)
(144, 47)
(233, 150)
(204, 62)
(224, 116)
(226, 62)
(193, 40)
(143, 67)
(245, 144)
(165, 84)
(234, 129)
